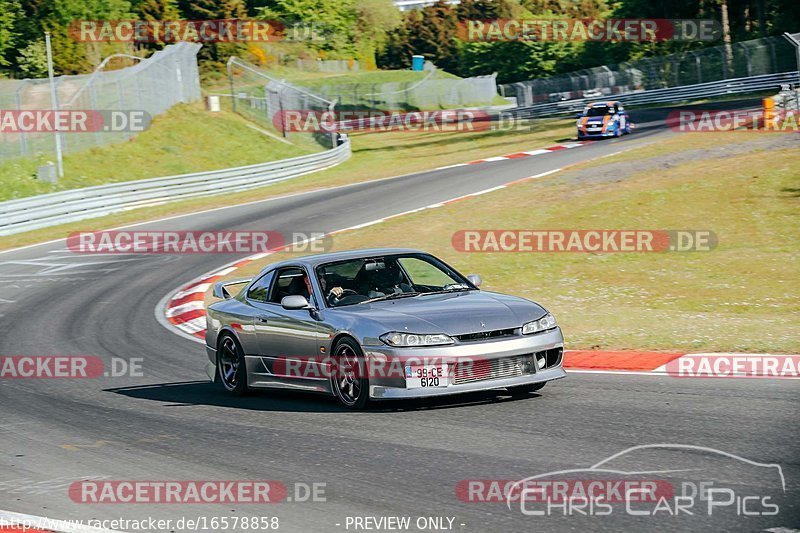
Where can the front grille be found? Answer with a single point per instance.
(483, 335)
(470, 371)
(479, 369)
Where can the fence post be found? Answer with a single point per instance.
(93, 103)
(23, 142)
(334, 134)
(699, 67)
(230, 82)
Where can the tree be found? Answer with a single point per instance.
(215, 10)
(333, 20)
(10, 15)
(32, 60)
(374, 20)
(486, 10)
(69, 55)
(433, 35)
(157, 9)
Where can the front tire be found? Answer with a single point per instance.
(231, 367)
(521, 391)
(349, 381)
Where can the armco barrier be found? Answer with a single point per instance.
(79, 204)
(670, 95)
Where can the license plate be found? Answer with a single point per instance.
(418, 376)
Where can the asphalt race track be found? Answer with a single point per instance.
(399, 459)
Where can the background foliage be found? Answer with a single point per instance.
(375, 32)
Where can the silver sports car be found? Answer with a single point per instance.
(377, 324)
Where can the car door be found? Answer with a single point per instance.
(289, 340)
(256, 298)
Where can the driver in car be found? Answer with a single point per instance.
(334, 295)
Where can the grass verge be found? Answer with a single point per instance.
(184, 139)
(375, 155)
(742, 296)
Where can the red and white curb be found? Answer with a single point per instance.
(519, 155)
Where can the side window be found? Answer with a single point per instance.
(259, 290)
(290, 281)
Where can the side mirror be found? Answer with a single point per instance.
(579, 115)
(475, 279)
(295, 302)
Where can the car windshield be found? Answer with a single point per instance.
(597, 111)
(386, 277)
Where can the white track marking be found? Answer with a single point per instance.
(499, 187)
(193, 326)
(225, 271)
(199, 287)
(181, 309)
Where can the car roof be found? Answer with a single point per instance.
(313, 261)
(604, 104)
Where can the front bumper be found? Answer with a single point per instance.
(391, 393)
(503, 349)
(596, 134)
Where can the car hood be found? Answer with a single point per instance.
(453, 314)
(595, 120)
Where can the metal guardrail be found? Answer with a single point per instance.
(79, 204)
(670, 95)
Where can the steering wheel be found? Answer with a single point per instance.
(346, 292)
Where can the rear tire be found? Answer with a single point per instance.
(349, 381)
(231, 367)
(521, 391)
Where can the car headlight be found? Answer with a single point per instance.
(402, 340)
(548, 321)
